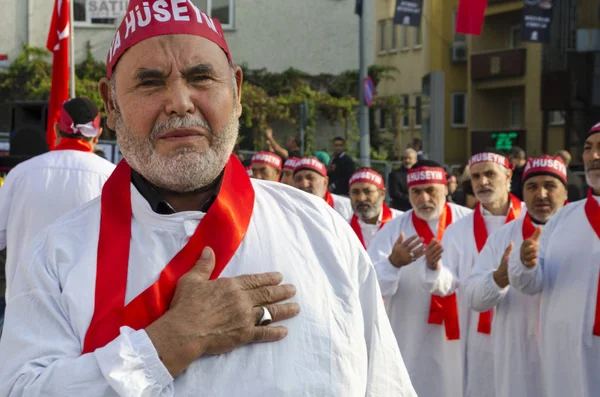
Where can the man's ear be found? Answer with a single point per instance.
(239, 79)
(107, 99)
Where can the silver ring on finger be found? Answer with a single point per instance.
(412, 256)
(266, 318)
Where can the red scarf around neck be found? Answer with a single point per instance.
(222, 228)
(592, 212)
(442, 309)
(514, 211)
(386, 216)
(329, 199)
(528, 227)
(74, 144)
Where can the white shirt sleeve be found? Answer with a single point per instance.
(387, 374)
(444, 281)
(379, 251)
(40, 353)
(529, 281)
(481, 290)
(6, 195)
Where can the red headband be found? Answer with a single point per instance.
(546, 165)
(315, 165)
(267, 158)
(367, 176)
(146, 19)
(488, 158)
(290, 163)
(594, 129)
(426, 175)
(88, 130)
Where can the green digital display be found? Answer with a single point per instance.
(504, 140)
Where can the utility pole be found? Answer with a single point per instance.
(363, 112)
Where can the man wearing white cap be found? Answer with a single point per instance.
(490, 176)
(426, 326)
(515, 329)
(310, 176)
(287, 177)
(266, 166)
(42, 189)
(371, 213)
(162, 286)
(562, 265)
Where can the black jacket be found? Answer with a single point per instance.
(398, 188)
(339, 177)
(517, 182)
(576, 189)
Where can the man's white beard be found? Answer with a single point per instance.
(371, 212)
(186, 170)
(429, 216)
(592, 181)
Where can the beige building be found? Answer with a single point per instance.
(504, 82)
(416, 52)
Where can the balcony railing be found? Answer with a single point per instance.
(498, 64)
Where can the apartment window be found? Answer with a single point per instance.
(556, 118)
(418, 111)
(405, 111)
(110, 12)
(381, 118)
(515, 36)
(394, 43)
(457, 37)
(459, 109)
(382, 45)
(515, 113)
(418, 36)
(404, 36)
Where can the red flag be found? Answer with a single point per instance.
(58, 43)
(470, 15)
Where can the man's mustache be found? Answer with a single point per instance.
(188, 121)
(594, 165)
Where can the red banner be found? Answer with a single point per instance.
(470, 16)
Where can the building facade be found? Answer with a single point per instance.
(315, 36)
(417, 52)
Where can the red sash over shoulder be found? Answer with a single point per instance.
(485, 318)
(592, 211)
(443, 309)
(222, 228)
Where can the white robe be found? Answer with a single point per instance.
(432, 360)
(369, 230)
(458, 259)
(566, 277)
(42, 189)
(343, 206)
(515, 327)
(341, 344)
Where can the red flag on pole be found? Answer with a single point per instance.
(470, 16)
(58, 43)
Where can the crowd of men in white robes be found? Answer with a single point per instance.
(163, 284)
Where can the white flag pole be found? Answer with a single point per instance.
(72, 49)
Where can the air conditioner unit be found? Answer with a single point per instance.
(459, 52)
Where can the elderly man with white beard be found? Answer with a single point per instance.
(426, 326)
(515, 329)
(490, 176)
(562, 265)
(310, 176)
(163, 285)
(371, 213)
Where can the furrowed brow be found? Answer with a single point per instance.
(200, 69)
(149, 74)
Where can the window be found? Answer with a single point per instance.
(418, 111)
(404, 36)
(406, 111)
(110, 12)
(382, 46)
(459, 109)
(556, 118)
(394, 45)
(515, 37)
(457, 37)
(515, 113)
(381, 118)
(418, 36)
